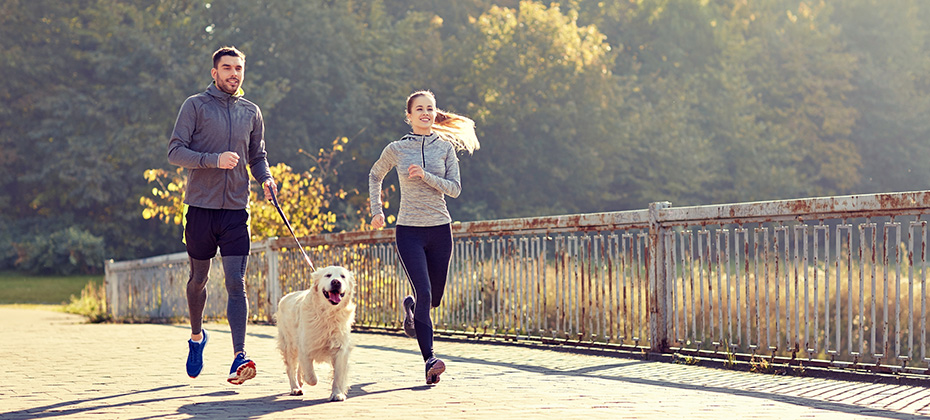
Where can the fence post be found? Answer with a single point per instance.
(111, 285)
(658, 304)
(273, 282)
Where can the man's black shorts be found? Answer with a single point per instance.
(207, 229)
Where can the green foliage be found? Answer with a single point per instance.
(892, 75)
(800, 75)
(685, 359)
(538, 86)
(92, 304)
(90, 88)
(304, 198)
(167, 200)
(7, 250)
(581, 105)
(760, 364)
(65, 252)
(729, 360)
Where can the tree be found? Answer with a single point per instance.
(892, 90)
(745, 100)
(538, 87)
(305, 197)
(91, 96)
(582, 105)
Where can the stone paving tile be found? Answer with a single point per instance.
(58, 367)
(857, 393)
(882, 394)
(906, 400)
(827, 390)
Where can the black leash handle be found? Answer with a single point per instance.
(274, 199)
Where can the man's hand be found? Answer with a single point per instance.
(227, 160)
(269, 186)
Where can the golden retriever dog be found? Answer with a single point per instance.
(314, 327)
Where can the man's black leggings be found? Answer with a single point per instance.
(425, 253)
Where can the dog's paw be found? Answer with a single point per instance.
(296, 392)
(310, 379)
(338, 397)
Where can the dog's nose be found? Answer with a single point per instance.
(336, 285)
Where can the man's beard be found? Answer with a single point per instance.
(225, 87)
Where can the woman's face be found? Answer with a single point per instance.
(421, 113)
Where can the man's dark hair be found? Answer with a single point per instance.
(224, 51)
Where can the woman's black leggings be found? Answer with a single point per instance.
(425, 253)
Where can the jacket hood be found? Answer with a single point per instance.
(429, 138)
(219, 94)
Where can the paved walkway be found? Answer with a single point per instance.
(59, 367)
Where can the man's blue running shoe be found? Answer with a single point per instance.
(242, 370)
(195, 356)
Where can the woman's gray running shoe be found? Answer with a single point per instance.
(409, 328)
(434, 368)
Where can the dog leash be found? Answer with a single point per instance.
(274, 199)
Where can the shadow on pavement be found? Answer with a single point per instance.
(589, 372)
(65, 408)
(272, 404)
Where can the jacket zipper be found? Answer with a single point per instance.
(423, 153)
(228, 146)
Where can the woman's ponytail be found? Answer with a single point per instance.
(454, 128)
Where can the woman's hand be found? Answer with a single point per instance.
(377, 221)
(415, 172)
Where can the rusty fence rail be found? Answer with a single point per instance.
(834, 281)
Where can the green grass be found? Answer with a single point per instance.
(20, 288)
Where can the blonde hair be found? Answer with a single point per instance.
(456, 129)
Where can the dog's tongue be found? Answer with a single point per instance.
(335, 298)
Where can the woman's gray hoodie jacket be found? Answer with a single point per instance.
(210, 123)
(422, 201)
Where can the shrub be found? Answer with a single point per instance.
(7, 251)
(66, 252)
(92, 304)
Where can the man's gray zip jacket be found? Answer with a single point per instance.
(210, 123)
(422, 201)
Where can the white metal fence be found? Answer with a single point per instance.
(835, 281)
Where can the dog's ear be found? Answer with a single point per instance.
(350, 276)
(315, 278)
